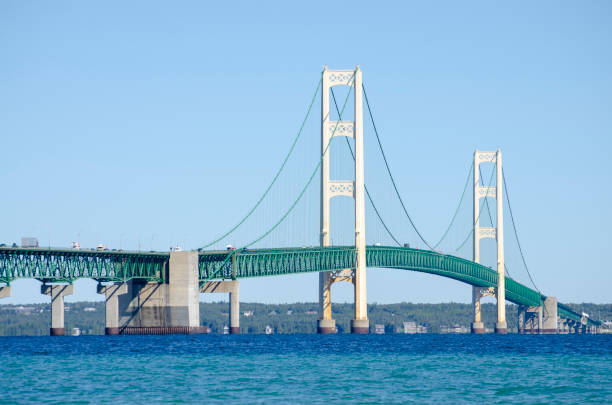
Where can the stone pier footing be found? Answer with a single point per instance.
(360, 326)
(164, 330)
(477, 327)
(57, 332)
(326, 326)
(501, 328)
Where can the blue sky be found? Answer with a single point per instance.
(154, 124)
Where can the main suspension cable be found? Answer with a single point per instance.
(458, 207)
(365, 186)
(516, 233)
(276, 176)
(389, 170)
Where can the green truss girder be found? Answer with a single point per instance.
(67, 265)
(274, 262)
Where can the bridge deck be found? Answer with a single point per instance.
(67, 265)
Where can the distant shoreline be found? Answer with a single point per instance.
(256, 318)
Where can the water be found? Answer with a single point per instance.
(307, 369)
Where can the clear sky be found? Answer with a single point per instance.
(149, 124)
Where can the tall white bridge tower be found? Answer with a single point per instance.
(496, 233)
(334, 188)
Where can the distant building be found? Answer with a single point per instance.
(248, 313)
(454, 329)
(312, 312)
(226, 330)
(289, 312)
(379, 329)
(25, 310)
(410, 327)
(89, 309)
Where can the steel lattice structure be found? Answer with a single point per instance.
(68, 265)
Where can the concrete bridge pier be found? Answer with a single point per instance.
(5, 291)
(549, 316)
(529, 319)
(573, 326)
(233, 288)
(57, 293)
(541, 319)
(112, 293)
(325, 324)
(164, 308)
(477, 293)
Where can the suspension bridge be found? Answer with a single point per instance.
(158, 292)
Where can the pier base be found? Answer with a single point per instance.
(164, 330)
(326, 326)
(501, 328)
(360, 326)
(477, 328)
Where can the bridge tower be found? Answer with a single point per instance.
(335, 188)
(496, 233)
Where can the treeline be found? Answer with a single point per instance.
(35, 319)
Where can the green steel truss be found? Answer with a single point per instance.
(274, 262)
(67, 265)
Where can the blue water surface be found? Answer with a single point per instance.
(307, 369)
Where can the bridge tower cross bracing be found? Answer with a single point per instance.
(485, 232)
(334, 188)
